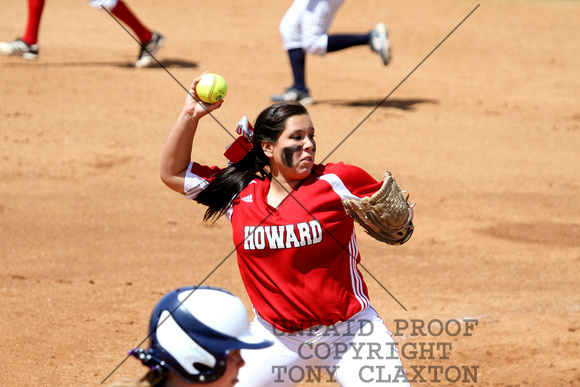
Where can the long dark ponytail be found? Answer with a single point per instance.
(230, 181)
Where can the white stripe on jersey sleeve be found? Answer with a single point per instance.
(338, 186)
(194, 184)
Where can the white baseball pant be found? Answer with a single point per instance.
(306, 23)
(354, 353)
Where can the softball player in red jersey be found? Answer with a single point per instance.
(296, 248)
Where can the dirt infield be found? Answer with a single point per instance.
(485, 135)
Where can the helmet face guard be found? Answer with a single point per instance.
(193, 329)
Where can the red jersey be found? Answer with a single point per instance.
(299, 261)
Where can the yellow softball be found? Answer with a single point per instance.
(211, 88)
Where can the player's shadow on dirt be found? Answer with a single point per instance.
(402, 104)
(167, 63)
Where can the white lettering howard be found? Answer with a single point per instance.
(280, 237)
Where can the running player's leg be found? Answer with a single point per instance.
(122, 12)
(151, 41)
(337, 42)
(316, 20)
(27, 46)
(291, 33)
(303, 29)
(35, 8)
(291, 25)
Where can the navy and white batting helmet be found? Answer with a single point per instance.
(192, 330)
